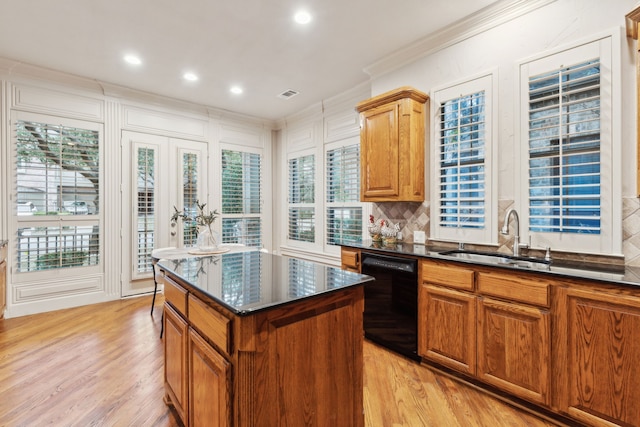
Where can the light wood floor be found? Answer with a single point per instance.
(101, 365)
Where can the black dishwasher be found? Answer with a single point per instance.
(391, 303)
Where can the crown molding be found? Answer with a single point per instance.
(490, 17)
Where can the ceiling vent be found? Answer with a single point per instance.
(289, 93)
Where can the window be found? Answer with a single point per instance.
(344, 210)
(242, 198)
(463, 163)
(564, 149)
(567, 111)
(57, 193)
(190, 191)
(302, 198)
(146, 220)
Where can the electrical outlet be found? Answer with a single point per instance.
(419, 237)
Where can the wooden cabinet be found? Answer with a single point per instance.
(447, 317)
(493, 326)
(3, 279)
(350, 259)
(598, 355)
(568, 345)
(176, 361)
(514, 334)
(298, 364)
(209, 385)
(392, 146)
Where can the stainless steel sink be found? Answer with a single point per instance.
(498, 259)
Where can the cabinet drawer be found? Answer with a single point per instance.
(514, 288)
(350, 259)
(450, 275)
(212, 324)
(176, 295)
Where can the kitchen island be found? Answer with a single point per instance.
(255, 339)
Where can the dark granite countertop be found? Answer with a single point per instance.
(247, 282)
(622, 275)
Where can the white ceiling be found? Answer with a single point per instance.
(251, 43)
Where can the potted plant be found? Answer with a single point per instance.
(206, 238)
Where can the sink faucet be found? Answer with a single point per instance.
(516, 236)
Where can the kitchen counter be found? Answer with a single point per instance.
(248, 333)
(248, 282)
(622, 275)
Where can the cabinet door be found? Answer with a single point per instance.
(447, 327)
(514, 348)
(210, 385)
(175, 361)
(379, 141)
(599, 356)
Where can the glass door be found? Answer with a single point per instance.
(162, 173)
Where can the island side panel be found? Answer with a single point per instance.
(308, 363)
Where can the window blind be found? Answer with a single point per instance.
(190, 165)
(146, 226)
(343, 174)
(344, 220)
(302, 198)
(241, 198)
(564, 149)
(461, 174)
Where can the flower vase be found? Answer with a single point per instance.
(207, 241)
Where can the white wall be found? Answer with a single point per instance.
(472, 48)
(30, 89)
(554, 25)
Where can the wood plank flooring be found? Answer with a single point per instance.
(101, 365)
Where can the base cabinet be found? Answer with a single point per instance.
(295, 365)
(209, 385)
(599, 353)
(492, 326)
(175, 361)
(441, 311)
(350, 259)
(513, 348)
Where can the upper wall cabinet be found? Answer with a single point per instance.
(392, 141)
(633, 31)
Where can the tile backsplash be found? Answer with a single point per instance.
(413, 216)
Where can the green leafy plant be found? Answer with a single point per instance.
(199, 217)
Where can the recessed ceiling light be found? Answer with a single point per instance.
(236, 90)
(133, 59)
(302, 17)
(190, 77)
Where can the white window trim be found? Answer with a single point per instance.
(46, 276)
(609, 242)
(318, 214)
(488, 82)
(264, 226)
(366, 207)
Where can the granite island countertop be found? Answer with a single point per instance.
(622, 275)
(247, 282)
